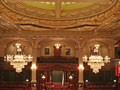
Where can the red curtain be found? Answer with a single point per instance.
(117, 70)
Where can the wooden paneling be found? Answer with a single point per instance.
(45, 65)
(14, 86)
(8, 73)
(57, 88)
(102, 76)
(106, 74)
(12, 76)
(100, 86)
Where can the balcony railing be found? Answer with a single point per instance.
(60, 59)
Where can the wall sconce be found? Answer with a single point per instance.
(57, 46)
(34, 67)
(81, 67)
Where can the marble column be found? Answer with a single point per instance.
(79, 55)
(80, 63)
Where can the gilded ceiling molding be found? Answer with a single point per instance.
(28, 10)
(18, 18)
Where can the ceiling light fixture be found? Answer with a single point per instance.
(96, 61)
(57, 46)
(18, 60)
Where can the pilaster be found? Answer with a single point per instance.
(79, 55)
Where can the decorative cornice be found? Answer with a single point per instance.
(57, 33)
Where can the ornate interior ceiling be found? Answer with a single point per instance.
(55, 17)
(59, 10)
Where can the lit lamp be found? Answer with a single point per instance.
(19, 60)
(27, 81)
(96, 61)
(114, 81)
(70, 77)
(43, 77)
(57, 46)
(81, 67)
(34, 67)
(86, 80)
(33, 83)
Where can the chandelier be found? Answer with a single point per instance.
(19, 60)
(57, 46)
(96, 61)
